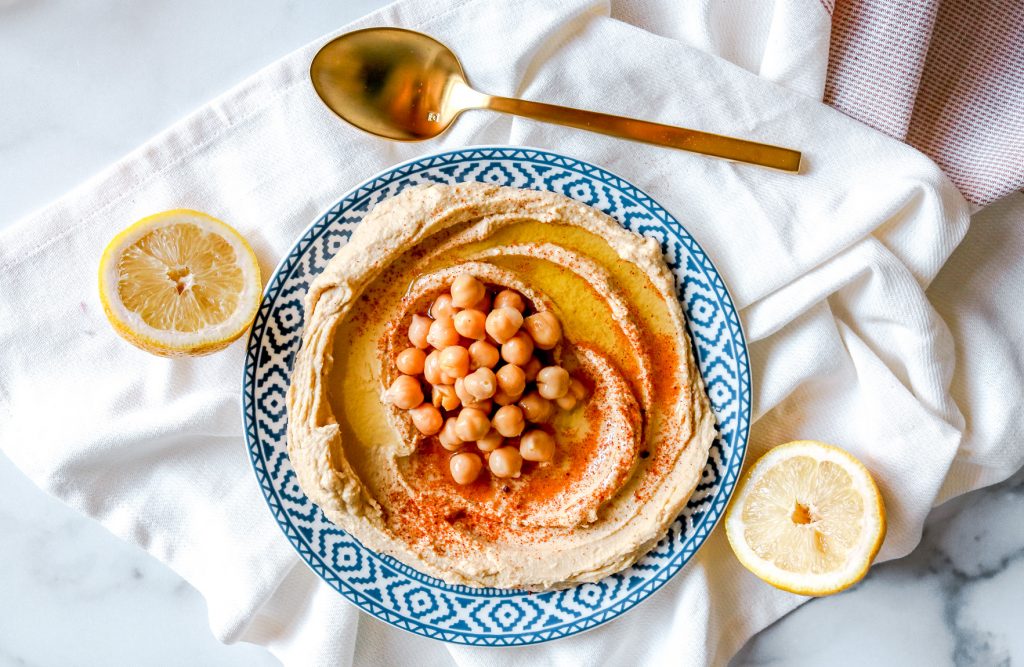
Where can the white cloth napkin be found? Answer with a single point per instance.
(829, 269)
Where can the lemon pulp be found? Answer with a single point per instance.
(180, 278)
(804, 515)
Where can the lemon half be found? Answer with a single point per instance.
(807, 518)
(180, 283)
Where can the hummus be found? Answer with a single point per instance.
(627, 459)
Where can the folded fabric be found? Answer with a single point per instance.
(977, 293)
(828, 268)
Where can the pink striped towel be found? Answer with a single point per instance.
(945, 77)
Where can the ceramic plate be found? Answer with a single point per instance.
(400, 595)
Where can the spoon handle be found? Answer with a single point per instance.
(695, 141)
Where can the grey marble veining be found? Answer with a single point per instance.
(72, 102)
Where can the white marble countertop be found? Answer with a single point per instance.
(83, 83)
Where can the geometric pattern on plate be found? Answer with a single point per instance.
(399, 594)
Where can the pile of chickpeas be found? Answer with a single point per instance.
(477, 355)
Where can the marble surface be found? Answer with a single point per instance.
(954, 600)
(71, 593)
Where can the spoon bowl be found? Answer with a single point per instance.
(390, 82)
(407, 86)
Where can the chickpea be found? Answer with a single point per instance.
(431, 370)
(508, 421)
(464, 396)
(502, 397)
(470, 401)
(484, 304)
(503, 323)
(442, 307)
(405, 392)
(483, 355)
(472, 424)
(577, 392)
(442, 333)
(470, 323)
(507, 298)
(453, 361)
(481, 383)
(444, 396)
(465, 467)
(467, 291)
(535, 407)
(518, 350)
(531, 369)
(490, 442)
(544, 329)
(505, 462)
(427, 419)
(553, 382)
(537, 446)
(448, 437)
(511, 379)
(418, 330)
(567, 402)
(410, 361)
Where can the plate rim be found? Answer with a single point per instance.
(509, 639)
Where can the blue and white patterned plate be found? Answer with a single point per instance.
(398, 594)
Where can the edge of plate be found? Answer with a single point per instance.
(732, 302)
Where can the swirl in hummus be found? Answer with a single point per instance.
(627, 458)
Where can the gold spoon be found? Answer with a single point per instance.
(404, 85)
